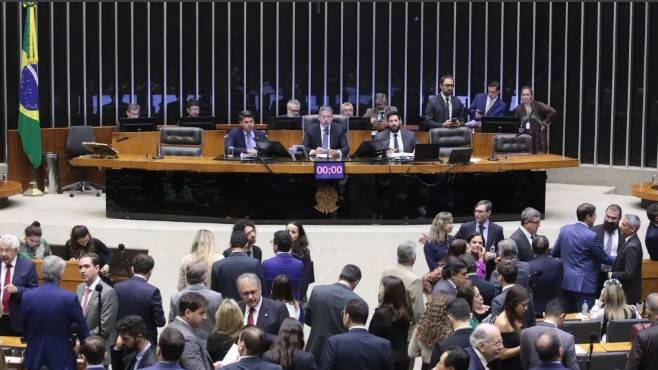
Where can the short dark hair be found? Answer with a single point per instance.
(242, 224)
(393, 113)
(555, 307)
(93, 348)
(495, 84)
(254, 340)
(143, 263)
(471, 265)
(456, 358)
(550, 350)
(132, 325)
(616, 207)
(540, 245)
(508, 270)
(282, 240)
(171, 343)
(95, 259)
(192, 102)
(34, 229)
(238, 239)
(191, 301)
(357, 309)
(652, 212)
(350, 273)
(457, 248)
(444, 77)
(245, 114)
(452, 267)
(459, 309)
(584, 210)
(486, 203)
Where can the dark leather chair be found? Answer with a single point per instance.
(512, 144)
(620, 330)
(450, 138)
(76, 136)
(181, 141)
(312, 119)
(582, 329)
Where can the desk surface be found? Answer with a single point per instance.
(606, 347)
(11, 342)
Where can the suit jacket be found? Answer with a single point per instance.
(546, 288)
(412, 285)
(337, 138)
(108, 314)
(436, 114)
(283, 264)
(522, 276)
(357, 350)
(126, 361)
(549, 366)
(301, 360)
(444, 286)
(644, 350)
(498, 108)
(494, 233)
(529, 357)
(651, 241)
(165, 366)
(582, 254)
(474, 362)
(254, 252)
(460, 338)
(214, 300)
(252, 363)
(497, 308)
(323, 314)
(138, 297)
(409, 139)
(225, 272)
(486, 289)
(598, 229)
(270, 317)
(195, 356)
(628, 269)
(47, 327)
(25, 278)
(523, 245)
(236, 139)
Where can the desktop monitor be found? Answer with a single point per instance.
(500, 125)
(359, 123)
(271, 149)
(371, 148)
(206, 122)
(138, 124)
(285, 123)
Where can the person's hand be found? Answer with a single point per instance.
(482, 309)
(478, 114)
(373, 121)
(252, 151)
(542, 127)
(11, 288)
(333, 153)
(490, 256)
(119, 344)
(423, 239)
(447, 123)
(218, 365)
(319, 150)
(105, 269)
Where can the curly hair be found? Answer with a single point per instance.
(434, 325)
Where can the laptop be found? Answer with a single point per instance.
(426, 153)
(460, 156)
(138, 124)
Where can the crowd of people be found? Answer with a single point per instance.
(486, 302)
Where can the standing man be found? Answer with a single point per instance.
(92, 350)
(169, 351)
(138, 297)
(582, 254)
(192, 312)
(507, 271)
(249, 229)
(455, 273)
(379, 113)
(404, 271)
(326, 138)
(400, 140)
(459, 314)
(243, 139)
(226, 271)
(265, 313)
(132, 350)
(613, 241)
(644, 350)
(444, 110)
(252, 343)
(526, 233)
(509, 252)
(544, 284)
(283, 263)
(491, 232)
(18, 275)
(628, 265)
(293, 107)
(489, 104)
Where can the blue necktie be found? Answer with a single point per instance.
(325, 138)
(249, 140)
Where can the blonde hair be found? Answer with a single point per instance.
(229, 318)
(614, 302)
(437, 232)
(203, 247)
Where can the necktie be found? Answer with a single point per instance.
(489, 104)
(396, 146)
(448, 113)
(325, 138)
(249, 140)
(85, 301)
(5, 295)
(250, 318)
(608, 244)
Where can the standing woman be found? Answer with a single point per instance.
(534, 117)
(300, 251)
(433, 327)
(392, 318)
(33, 245)
(510, 322)
(438, 239)
(82, 242)
(203, 250)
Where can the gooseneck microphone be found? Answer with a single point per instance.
(593, 337)
(124, 260)
(99, 289)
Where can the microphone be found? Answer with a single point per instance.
(593, 337)
(73, 339)
(99, 289)
(124, 260)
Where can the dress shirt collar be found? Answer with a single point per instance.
(551, 323)
(182, 320)
(140, 276)
(451, 283)
(355, 327)
(92, 287)
(507, 287)
(140, 354)
(249, 133)
(526, 233)
(13, 261)
(628, 237)
(443, 97)
(256, 311)
(90, 367)
(485, 363)
(580, 222)
(463, 327)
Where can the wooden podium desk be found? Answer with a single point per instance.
(71, 278)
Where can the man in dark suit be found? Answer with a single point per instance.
(243, 139)
(132, 349)
(92, 350)
(326, 138)
(283, 263)
(454, 358)
(487, 290)
(263, 312)
(486, 344)
(192, 312)
(169, 351)
(644, 349)
(226, 271)
(445, 110)
(549, 350)
(400, 139)
(324, 307)
(628, 264)
(582, 254)
(613, 241)
(459, 314)
(651, 239)
(507, 272)
(554, 318)
(378, 115)
(357, 349)
(138, 297)
(489, 104)
(523, 236)
(545, 271)
(249, 229)
(17, 276)
(454, 274)
(491, 232)
(47, 328)
(508, 252)
(252, 343)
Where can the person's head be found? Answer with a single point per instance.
(507, 272)
(530, 220)
(487, 340)
(407, 253)
(507, 249)
(33, 234)
(192, 308)
(493, 89)
(555, 310)
(281, 241)
(455, 270)
(457, 248)
(9, 245)
(355, 313)
(459, 313)
(482, 211)
(630, 224)
(442, 225)
(171, 344)
(475, 243)
(548, 346)
(289, 339)
(246, 120)
(282, 289)
(92, 349)
(447, 84)
(229, 318)
(526, 95)
(239, 239)
(89, 264)
(325, 115)
(651, 306)
(612, 217)
(196, 272)
(467, 292)
(614, 299)
(434, 324)
(393, 294)
(380, 101)
(516, 305)
(347, 109)
(193, 108)
(143, 264)
(132, 332)
(52, 269)
(293, 107)
(133, 110)
(351, 274)
(394, 121)
(652, 213)
(249, 288)
(471, 265)
(203, 245)
(586, 213)
(299, 239)
(540, 245)
(252, 341)
(249, 228)
(453, 358)
(80, 236)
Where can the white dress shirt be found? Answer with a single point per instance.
(391, 142)
(3, 273)
(490, 103)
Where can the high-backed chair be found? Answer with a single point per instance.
(311, 119)
(582, 329)
(620, 330)
(512, 143)
(76, 136)
(181, 141)
(450, 138)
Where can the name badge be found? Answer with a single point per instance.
(527, 125)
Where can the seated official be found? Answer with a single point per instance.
(347, 109)
(243, 139)
(489, 104)
(33, 245)
(133, 110)
(400, 139)
(82, 242)
(379, 114)
(293, 107)
(326, 137)
(445, 110)
(651, 239)
(193, 108)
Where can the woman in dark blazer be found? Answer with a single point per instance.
(301, 252)
(534, 117)
(82, 242)
(288, 348)
(438, 240)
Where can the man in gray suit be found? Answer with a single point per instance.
(197, 279)
(88, 292)
(379, 113)
(554, 316)
(192, 313)
(324, 309)
(508, 252)
(404, 271)
(454, 274)
(526, 233)
(399, 139)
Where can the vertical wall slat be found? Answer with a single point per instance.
(324, 89)
(164, 62)
(374, 37)
(644, 83)
(518, 31)
(132, 52)
(613, 92)
(454, 44)
(502, 40)
(310, 67)
(436, 57)
(84, 63)
(420, 89)
(406, 58)
(550, 74)
(52, 63)
(390, 15)
(181, 100)
(4, 74)
(244, 56)
(293, 52)
(596, 92)
(212, 60)
(68, 63)
(340, 87)
(196, 51)
(486, 45)
(580, 79)
(470, 38)
(228, 61)
(534, 41)
(564, 96)
(358, 57)
(148, 58)
(260, 57)
(276, 74)
(630, 93)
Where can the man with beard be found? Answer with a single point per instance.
(132, 350)
(249, 228)
(613, 241)
(445, 110)
(400, 139)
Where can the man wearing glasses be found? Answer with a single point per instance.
(491, 232)
(526, 233)
(444, 110)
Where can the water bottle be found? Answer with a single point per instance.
(584, 308)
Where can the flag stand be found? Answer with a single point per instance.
(33, 187)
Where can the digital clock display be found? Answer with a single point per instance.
(329, 170)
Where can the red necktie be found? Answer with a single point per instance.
(5, 296)
(250, 318)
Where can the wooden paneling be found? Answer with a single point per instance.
(10, 188)
(71, 278)
(649, 277)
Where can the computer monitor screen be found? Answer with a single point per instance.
(371, 148)
(500, 125)
(285, 123)
(138, 124)
(206, 122)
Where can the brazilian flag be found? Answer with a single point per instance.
(29, 127)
